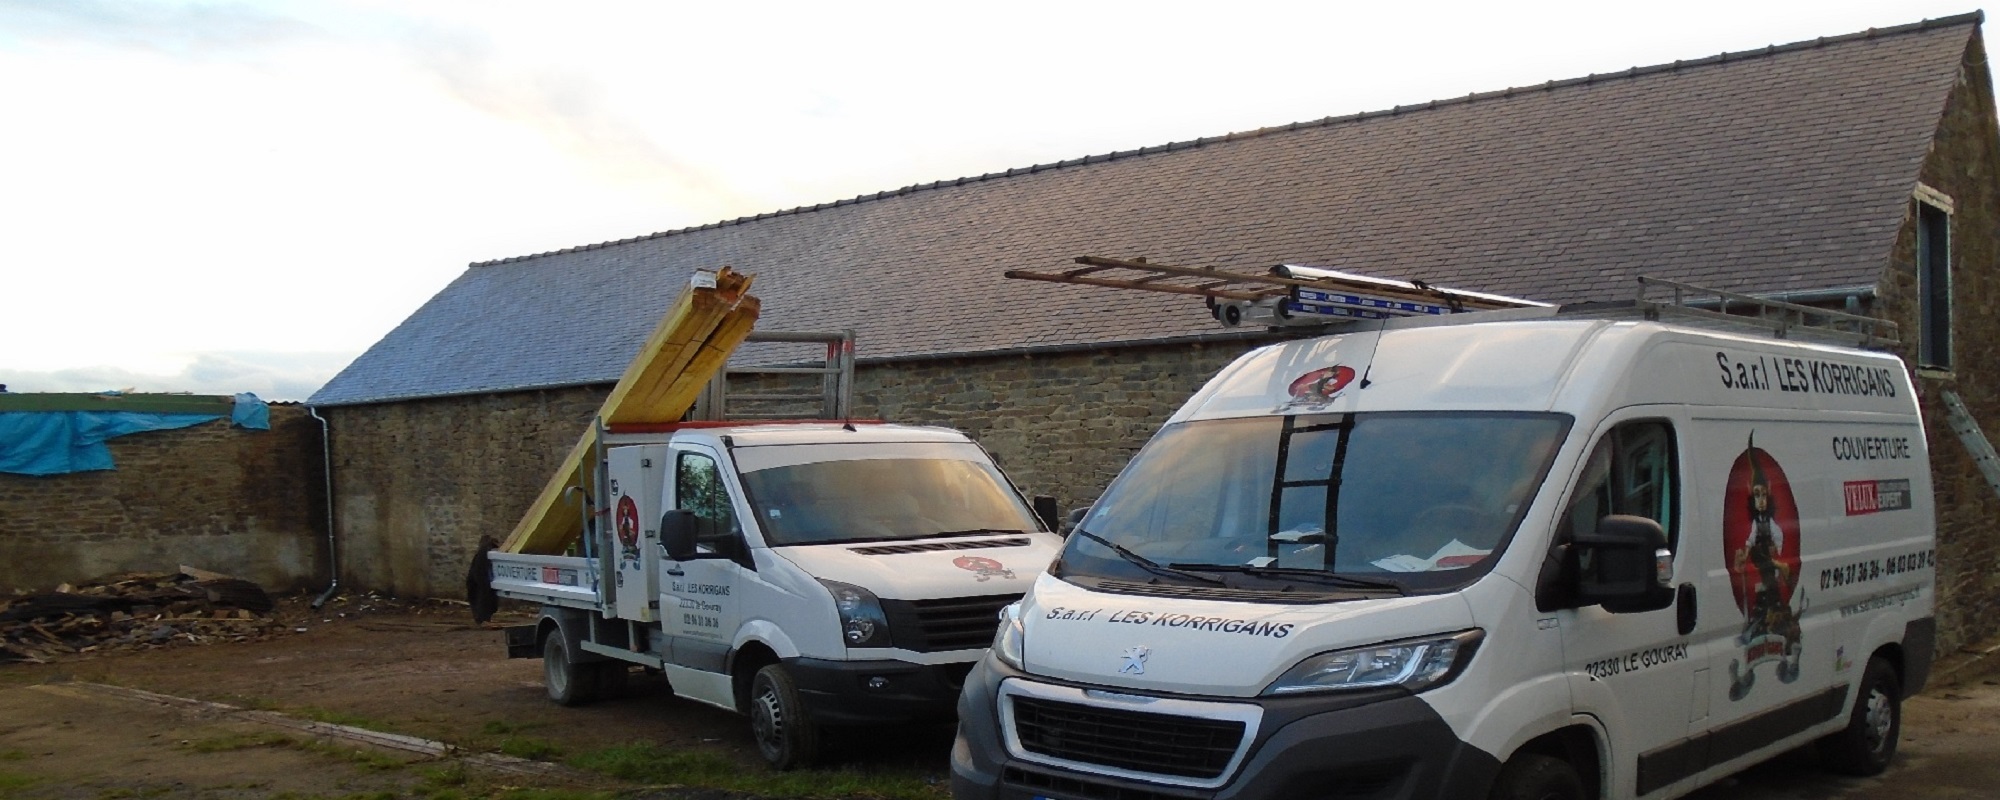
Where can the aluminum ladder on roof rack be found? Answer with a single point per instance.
(1973, 438)
(799, 385)
(1289, 295)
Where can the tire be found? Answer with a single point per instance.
(785, 733)
(1532, 776)
(568, 683)
(1868, 743)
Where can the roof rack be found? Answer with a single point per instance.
(818, 385)
(1717, 308)
(1309, 296)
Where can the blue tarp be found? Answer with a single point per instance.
(58, 442)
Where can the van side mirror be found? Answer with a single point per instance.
(1624, 565)
(1045, 510)
(681, 531)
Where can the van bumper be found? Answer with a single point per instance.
(1387, 744)
(876, 692)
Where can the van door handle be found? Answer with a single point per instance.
(676, 572)
(1685, 612)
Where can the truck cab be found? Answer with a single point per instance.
(806, 575)
(1538, 558)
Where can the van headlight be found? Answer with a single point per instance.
(862, 623)
(1414, 664)
(1007, 642)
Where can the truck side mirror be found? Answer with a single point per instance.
(1074, 519)
(1625, 565)
(1045, 510)
(677, 533)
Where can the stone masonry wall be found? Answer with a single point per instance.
(1963, 163)
(417, 483)
(243, 502)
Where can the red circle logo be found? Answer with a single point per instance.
(1320, 385)
(628, 522)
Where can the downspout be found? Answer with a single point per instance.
(332, 549)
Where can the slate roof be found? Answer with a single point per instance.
(1781, 169)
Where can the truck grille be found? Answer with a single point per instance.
(1161, 744)
(954, 623)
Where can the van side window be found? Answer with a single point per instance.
(698, 487)
(1630, 471)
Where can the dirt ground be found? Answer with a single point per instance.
(425, 670)
(419, 669)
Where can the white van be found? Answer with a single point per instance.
(805, 575)
(1552, 558)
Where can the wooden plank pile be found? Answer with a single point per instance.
(134, 611)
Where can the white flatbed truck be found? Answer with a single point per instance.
(802, 574)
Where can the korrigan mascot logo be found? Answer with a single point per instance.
(1760, 534)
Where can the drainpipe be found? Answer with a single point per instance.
(326, 467)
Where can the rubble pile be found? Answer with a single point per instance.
(134, 611)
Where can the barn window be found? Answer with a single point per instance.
(1934, 280)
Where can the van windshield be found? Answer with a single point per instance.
(827, 493)
(1403, 501)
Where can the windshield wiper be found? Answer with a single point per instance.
(1300, 572)
(1145, 563)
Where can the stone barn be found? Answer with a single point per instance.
(1854, 172)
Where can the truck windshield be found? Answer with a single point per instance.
(1401, 501)
(827, 493)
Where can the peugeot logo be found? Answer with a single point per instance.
(1135, 660)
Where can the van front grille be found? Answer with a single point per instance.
(953, 623)
(1160, 744)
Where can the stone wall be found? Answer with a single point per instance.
(417, 483)
(243, 502)
(1962, 164)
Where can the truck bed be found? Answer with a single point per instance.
(568, 581)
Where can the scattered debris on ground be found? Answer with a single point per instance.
(144, 611)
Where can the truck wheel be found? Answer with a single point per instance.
(785, 734)
(569, 683)
(1531, 776)
(1868, 743)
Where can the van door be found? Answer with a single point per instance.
(700, 597)
(1770, 505)
(1636, 671)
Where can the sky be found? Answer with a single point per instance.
(221, 197)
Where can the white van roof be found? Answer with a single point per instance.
(1568, 365)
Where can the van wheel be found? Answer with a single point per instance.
(785, 734)
(569, 683)
(1868, 743)
(1531, 776)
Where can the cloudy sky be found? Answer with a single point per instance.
(242, 196)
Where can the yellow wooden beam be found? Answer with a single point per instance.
(692, 342)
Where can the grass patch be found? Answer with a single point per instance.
(10, 781)
(365, 758)
(646, 763)
(13, 755)
(530, 748)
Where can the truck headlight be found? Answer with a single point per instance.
(1007, 642)
(1414, 664)
(862, 623)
